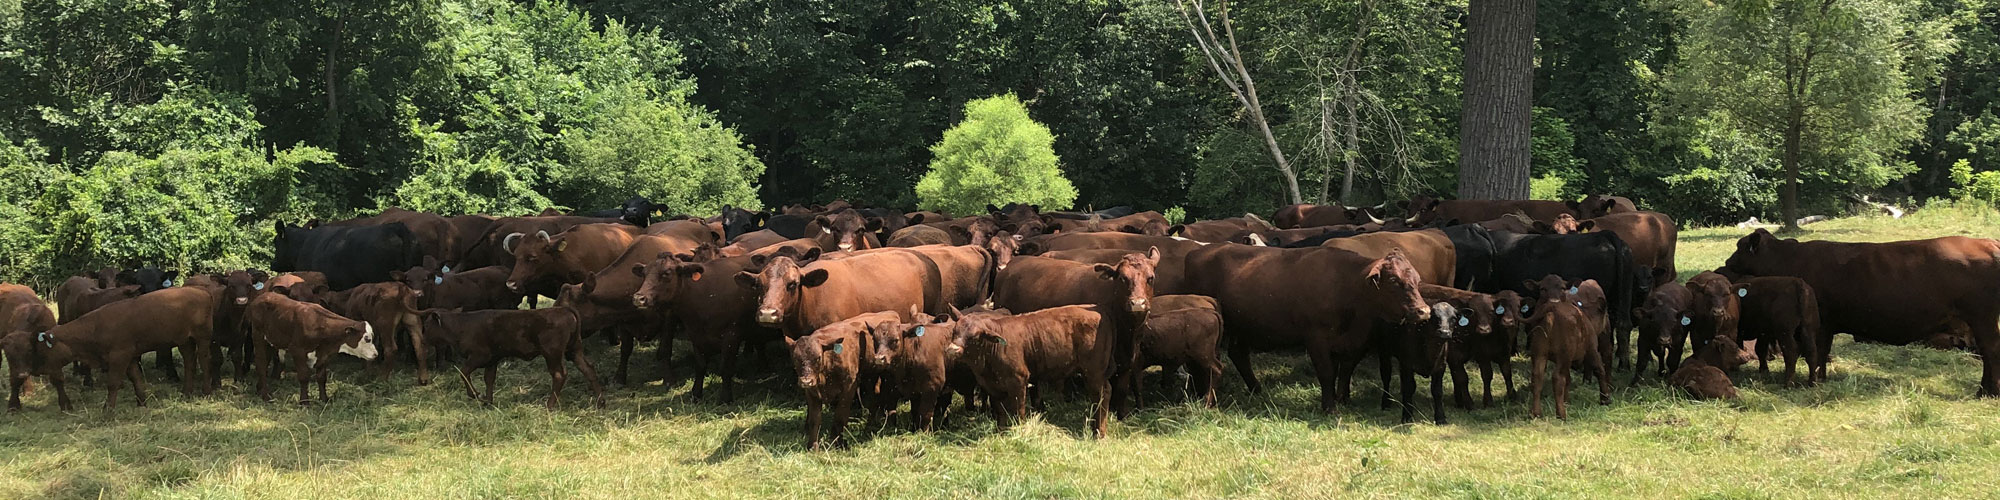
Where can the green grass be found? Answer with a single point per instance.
(1892, 423)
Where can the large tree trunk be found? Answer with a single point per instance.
(1493, 148)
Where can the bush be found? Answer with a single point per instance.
(668, 151)
(1709, 196)
(998, 155)
(1982, 186)
(1549, 188)
(446, 182)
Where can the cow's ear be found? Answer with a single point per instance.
(992, 209)
(1573, 206)
(747, 279)
(809, 255)
(813, 278)
(874, 224)
(959, 231)
(916, 219)
(685, 257)
(759, 221)
(397, 276)
(312, 224)
(320, 290)
(1586, 226)
(1176, 229)
(825, 224)
(1153, 254)
(693, 272)
(1105, 271)
(835, 346)
(639, 270)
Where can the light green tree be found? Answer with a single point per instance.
(998, 155)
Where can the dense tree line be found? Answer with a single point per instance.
(116, 113)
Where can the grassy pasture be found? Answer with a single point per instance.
(1892, 423)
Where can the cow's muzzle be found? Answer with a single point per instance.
(1139, 305)
(242, 300)
(767, 317)
(641, 301)
(513, 286)
(808, 382)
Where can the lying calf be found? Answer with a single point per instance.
(308, 334)
(1702, 374)
(484, 338)
(831, 362)
(1044, 347)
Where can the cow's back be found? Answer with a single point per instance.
(1429, 251)
(1897, 292)
(878, 280)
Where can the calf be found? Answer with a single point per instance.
(1703, 377)
(484, 338)
(1715, 309)
(308, 334)
(22, 317)
(1122, 290)
(830, 362)
(1663, 321)
(1563, 338)
(714, 312)
(1783, 311)
(389, 307)
(1422, 349)
(111, 338)
(1044, 347)
(923, 371)
(1589, 298)
(1482, 336)
(471, 290)
(1181, 330)
(1499, 349)
(232, 292)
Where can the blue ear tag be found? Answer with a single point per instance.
(1572, 289)
(1742, 292)
(920, 331)
(1462, 321)
(1579, 303)
(45, 338)
(1499, 309)
(1524, 309)
(444, 269)
(167, 284)
(257, 286)
(437, 280)
(1685, 321)
(836, 348)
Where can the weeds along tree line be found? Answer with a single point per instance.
(170, 134)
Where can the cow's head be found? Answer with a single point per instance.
(1422, 209)
(425, 280)
(1003, 247)
(900, 340)
(149, 279)
(1509, 309)
(1043, 224)
(1564, 224)
(1135, 272)
(823, 355)
(847, 231)
(32, 352)
(357, 338)
(640, 211)
(1714, 295)
(1598, 205)
(664, 277)
(1722, 352)
(780, 283)
(283, 256)
(1480, 313)
(1661, 319)
(978, 232)
(106, 277)
(736, 221)
(1395, 282)
(535, 257)
(238, 287)
(1437, 332)
(975, 335)
(1757, 254)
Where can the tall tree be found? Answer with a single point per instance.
(1494, 146)
(1226, 59)
(1824, 82)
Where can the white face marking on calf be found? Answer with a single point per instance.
(366, 350)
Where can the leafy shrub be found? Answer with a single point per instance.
(446, 182)
(1547, 188)
(1711, 196)
(1982, 186)
(1175, 215)
(668, 151)
(998, 155)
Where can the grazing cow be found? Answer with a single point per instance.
(714, 312)
(1425, 210)
(347, 255)
(637, 211)
(1703, 377)
(803, 294)
(1663, 321)
(111, 338)
(308, 334)
(1716, 309)
(1122, 290)
(1181, 330)
(922, 369)
(737, 222)
(1599, 205)
(1517, 259)
(919, 235)
(1783, 311)
(483, 338)
(389, 308)
(831, 362)
(543, 262)
(493, 249)
(1046, 347)
(1327, 300)
(753, 241)
(446, 287)
(1561, 338)
(1423, 349)
(436, 236)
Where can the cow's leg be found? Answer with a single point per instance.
(15, 383)
(923, 411)
(263, 357)
(589, 372)
(320, 374)
(163, 359)
(62, 393)
(417, 347)
(385, 333)
(843, 407)
(1986, 337)
(557, 375)
(138, 382)
(626, 340)
(1562, 375)
(1100, 390)
(214, 364)
(728, 372)
(1603, 382)
(1204, 379)
(492, 370)
(188, 362)
(1437, 398)
(1674, 350)
(303, 371)
(665, 354)
(1486, 375)
(1383, 369)
(1329, 380)
(1239, 354)
(1409, 374)
(111, 383)
(1535, 381)
(1507, 377)
(812, 422)
(701, 358)
(1461, 393)
(88, 373)
(1623, 337)
(1645, 356)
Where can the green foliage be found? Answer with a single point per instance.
(1175, 215)
(1548, 188)
(998, 155)
(447, 182)
(1554, 160)
(1982, 186)
(669, 152)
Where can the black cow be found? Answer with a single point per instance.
(790, 226)
(737, 222)
(348, 256)
(1522, 258)
(637, 211)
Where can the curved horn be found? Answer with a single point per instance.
(543, 234)
(1372, 219)
(508, 243)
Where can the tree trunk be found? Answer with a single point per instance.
(1351, 153)
(1493, 147)
(1794, 125)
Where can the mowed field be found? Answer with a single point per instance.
(1893, 422)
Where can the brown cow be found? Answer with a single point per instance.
(111, 338)
(714, 312)
(484, 338)
(76, 303)
(1169, 276)
(831, 362)
(1425, 210)
(437, 236)
(1663, 321)
(691, 231)
(543, 261)
(23, 315)
(492, 248)
(1703, 377)
(308, 334)
(1181, 330)
(800, 298)
(304, 286)
(1587, 296)
(446, 287)
(390, 307)
(1122, 290)
(1498, 349)
(1003, 247)
(919, 235)
(1327, 300)
(1599, 205)
(1784, 311)
(1305, 216)
(750, 242)
(1716, 309)
(233, 292)
(1562, 338)
(13, 296)
(965, 273)
(1046, 347)
(1429, 250)
(1230, 230)
(845, 231)
(1651, 236)
(967, 230)
(922, 368)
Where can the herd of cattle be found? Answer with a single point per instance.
(887, 306)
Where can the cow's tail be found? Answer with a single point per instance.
(989, 275)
